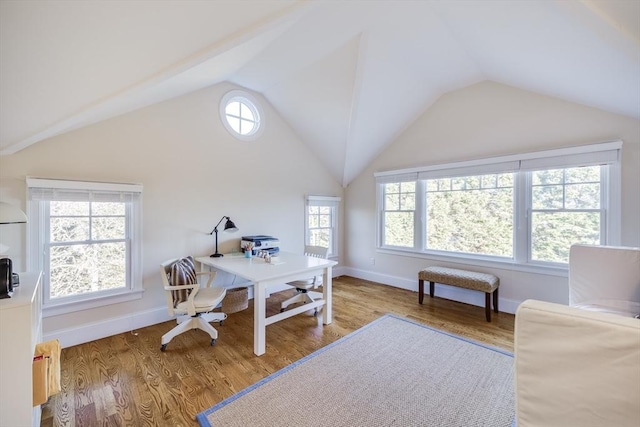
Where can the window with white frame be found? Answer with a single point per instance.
(526, 209)
(86, 239)
(321, 218)
(241, 115)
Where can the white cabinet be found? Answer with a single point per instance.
(20, 330)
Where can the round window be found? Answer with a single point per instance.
(240, 115)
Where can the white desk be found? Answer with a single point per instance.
(263, 275)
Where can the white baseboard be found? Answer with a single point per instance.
(93, 331)
(443, 291)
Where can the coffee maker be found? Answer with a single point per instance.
(6, 278)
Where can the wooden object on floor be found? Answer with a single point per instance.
(484, 282)
(125, 380)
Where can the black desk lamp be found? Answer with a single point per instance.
(228, 226)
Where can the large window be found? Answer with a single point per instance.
(85, 238)
(321, 223)
(526, 209)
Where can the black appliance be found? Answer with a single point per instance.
(6, 278)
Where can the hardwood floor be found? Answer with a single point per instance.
(125, 380)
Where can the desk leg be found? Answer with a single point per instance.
(259, 319)
(327, 314)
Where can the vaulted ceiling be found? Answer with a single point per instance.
(348, 76)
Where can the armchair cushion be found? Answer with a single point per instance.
(183, 272)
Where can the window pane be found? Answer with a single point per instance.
(398, 229)
(407, 201)
(408, 187)
(457, 184)
(103, 208)
(314, 221)
(319, 238)
(505, 180)
(69, 208)
(444, 184)
(234, 123)
(246, 113)
(472, 221)
(392, 188)
(392, 202)
(325, 221)
(472, 182)
(232, 108)
(583, 196)
(314, 210)
(553, 233)
(64, 229)
(547, 177)
(325, 210)
(584, 174)
(547, 197)
(489, 181)
(80, 269)
(104, 228)
(246, 127)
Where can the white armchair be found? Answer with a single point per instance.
(192, 303)
(605, 278)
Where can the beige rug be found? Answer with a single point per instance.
(391, 372)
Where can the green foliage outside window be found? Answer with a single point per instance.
(475, 214)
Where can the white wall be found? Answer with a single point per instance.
(485, 120)
(193, 173)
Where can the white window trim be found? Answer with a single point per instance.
(611, 182)
(35, 241)
(253, 104)
(334, 203)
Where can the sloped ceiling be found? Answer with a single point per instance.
(348, 76)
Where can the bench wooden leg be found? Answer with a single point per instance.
(495, 300)
(487, 306)
(420, 290)
(431, 289)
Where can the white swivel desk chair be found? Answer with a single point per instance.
(188, 300)
(303, 287)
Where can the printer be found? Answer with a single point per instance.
(260, 242)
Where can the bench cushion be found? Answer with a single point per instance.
(461, 278)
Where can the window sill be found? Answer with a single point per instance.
(548, 270)
(56, 309)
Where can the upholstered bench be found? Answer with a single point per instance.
(487, 283)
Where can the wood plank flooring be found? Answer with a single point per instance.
(125, 380)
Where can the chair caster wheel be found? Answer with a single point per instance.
(315, 313)
(221, 322)
(163, 347)
(213, 341)
(282, 310)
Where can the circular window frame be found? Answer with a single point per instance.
(250, 102)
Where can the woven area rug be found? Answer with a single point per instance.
(391, 372)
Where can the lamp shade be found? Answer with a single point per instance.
(230, 227)
(9, 214)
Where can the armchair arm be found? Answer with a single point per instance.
(177, 288)
(191, 308)
(211, 274)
